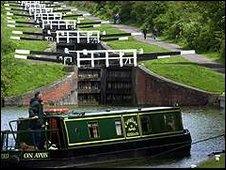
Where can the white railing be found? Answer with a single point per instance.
(34, 5)
(77, 36)
(48, 16)
(33, 11)
(59, 23)
(29, 2)
(107, 55)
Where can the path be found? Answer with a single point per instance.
(197, 58)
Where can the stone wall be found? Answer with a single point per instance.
(154, 90)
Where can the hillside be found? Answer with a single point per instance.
(20, 76)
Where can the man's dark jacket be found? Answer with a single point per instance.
(36, 109)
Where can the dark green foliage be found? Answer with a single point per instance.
(198, 25)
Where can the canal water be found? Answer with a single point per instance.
(202, 123)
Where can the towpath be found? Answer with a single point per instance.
(197, 58)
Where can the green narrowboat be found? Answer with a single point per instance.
(78, 137)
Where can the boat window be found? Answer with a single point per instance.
(145, 124)
(93, 129)
(169, 122)
(118, 127)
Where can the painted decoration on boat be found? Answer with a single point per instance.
(131, 126)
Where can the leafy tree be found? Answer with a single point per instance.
(199, 25)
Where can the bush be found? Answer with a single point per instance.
(125, 11)
(198, 25)
(190, 33)
(205, 40)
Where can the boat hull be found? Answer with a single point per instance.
(177, 144)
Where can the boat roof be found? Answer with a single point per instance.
(111, 112)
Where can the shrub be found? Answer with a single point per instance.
(198, 25)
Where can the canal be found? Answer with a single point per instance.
(202, 123)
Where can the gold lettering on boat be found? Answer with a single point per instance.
(4, 156)
(37, 155)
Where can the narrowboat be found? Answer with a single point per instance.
(75, 138)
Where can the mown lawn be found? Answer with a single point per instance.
(26, 75)
(186, 72)
(215, 56)
(19, 76)
(104, 27)
(131, 43)
(29, 45)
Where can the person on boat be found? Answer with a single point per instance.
(37, 120)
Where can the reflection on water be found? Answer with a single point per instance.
(201, 122)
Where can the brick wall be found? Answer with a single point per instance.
(150, 89)
(155, 90)
(61, 92)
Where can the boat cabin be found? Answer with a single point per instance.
(108, 126)
(79, 128)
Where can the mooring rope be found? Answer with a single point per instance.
(193, 143)
(203, 140)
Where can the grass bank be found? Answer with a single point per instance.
(20, 76)
(134, 44)
(188, 73)
(212, 163)
(214, 56)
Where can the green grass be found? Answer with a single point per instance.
(86, 20)
(107, 28)
(28, 75)
(214, 56)
(20, 76)
(131, 43)
(212, 163)
(188, 73)
(29, 45)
